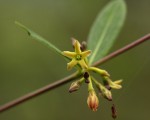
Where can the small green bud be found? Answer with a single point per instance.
(105, 92)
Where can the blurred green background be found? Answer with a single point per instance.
(26, 65)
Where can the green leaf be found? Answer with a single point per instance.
(105, 29)
(39, 38)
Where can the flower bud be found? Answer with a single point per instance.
(86, 76)
(73, 40)
(92, 100)
(74, 86)
(83, 45)
(105, 92)
(114, 112)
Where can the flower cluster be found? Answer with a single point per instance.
(79, 60)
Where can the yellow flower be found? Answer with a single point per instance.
(114, 84)
(92, 100)
(78, 57)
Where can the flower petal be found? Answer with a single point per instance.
(69, 54)
(82, 63)
(118, 82)
(85, 54)
(71, 64)
(115, 84)
(77, 47)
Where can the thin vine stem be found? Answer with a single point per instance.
(122, 50)
(38, 92)
(73, 76)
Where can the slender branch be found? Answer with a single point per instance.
(71, 77)
(38, 92)
(122, 50)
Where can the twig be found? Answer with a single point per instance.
(122, 50)
(38, 92)
(60, 82)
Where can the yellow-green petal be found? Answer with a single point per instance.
(114, 85)
(82, 63)
(69, 54)
(85, 54)
(77, 47)
(118, 82)
(71, 64)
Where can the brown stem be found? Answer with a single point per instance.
(122, 50)
(38, 92)
(71, 77)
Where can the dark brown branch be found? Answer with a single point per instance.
(71, 77)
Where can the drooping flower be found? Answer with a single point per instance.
(105, 92)
(78, 57)
(92, 100)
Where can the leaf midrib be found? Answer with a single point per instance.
(102, 37)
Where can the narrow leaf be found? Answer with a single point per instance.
(39, 38)
(105, 29)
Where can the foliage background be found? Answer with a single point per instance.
(26, 65)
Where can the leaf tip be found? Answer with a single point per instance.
(23, 27)
(19, 24)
